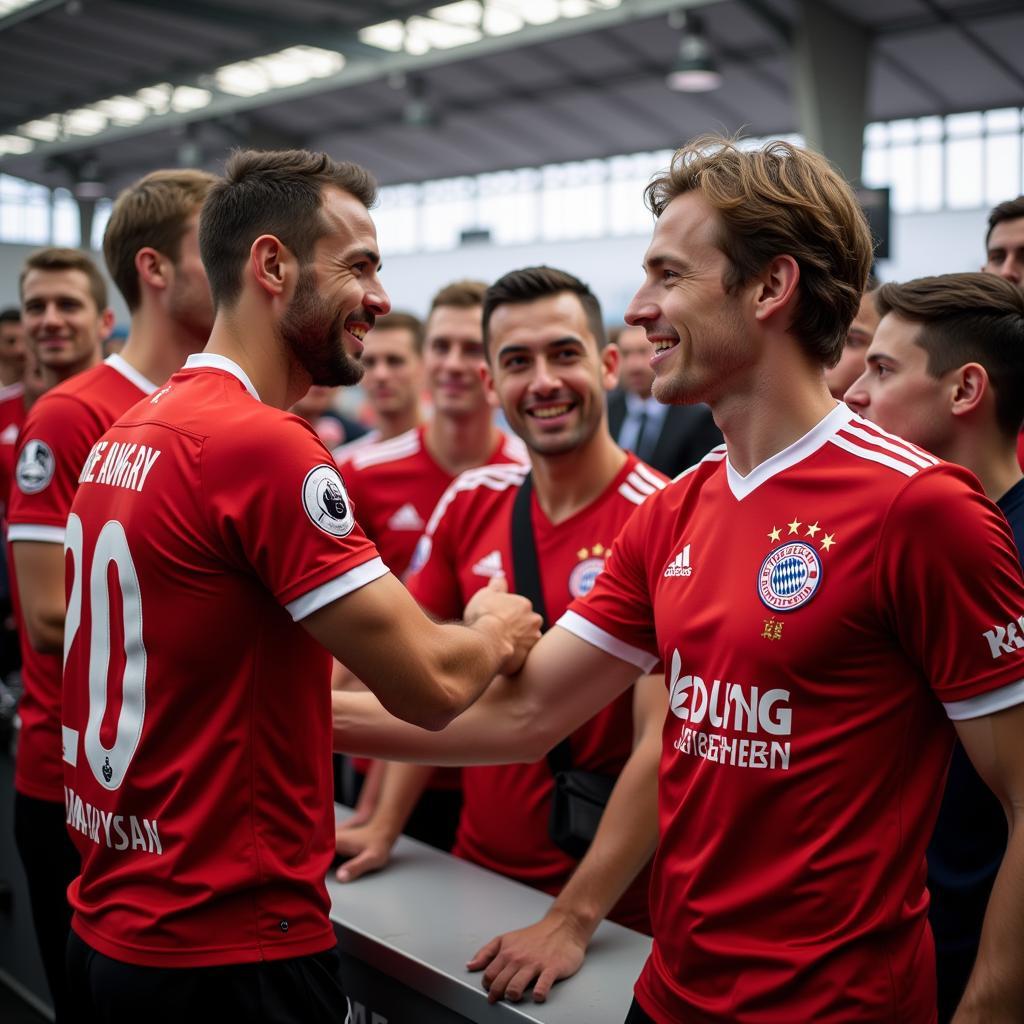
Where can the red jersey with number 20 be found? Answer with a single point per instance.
(197, 723)
(58, 433)
(819, 619)
(504, 822)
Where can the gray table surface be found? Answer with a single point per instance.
(422, 917)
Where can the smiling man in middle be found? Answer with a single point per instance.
(549, 367)
(395, 484)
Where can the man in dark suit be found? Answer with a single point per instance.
(670, 438)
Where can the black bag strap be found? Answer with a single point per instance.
(527, 579)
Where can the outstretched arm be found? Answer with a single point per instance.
(995, 990)
(422, 671)
(554, 947)
(563, 683)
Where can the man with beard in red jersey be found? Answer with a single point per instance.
(812, 695)
(213, 546)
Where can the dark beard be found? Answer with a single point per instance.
(314, 335)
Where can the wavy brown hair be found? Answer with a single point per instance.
(781, 200)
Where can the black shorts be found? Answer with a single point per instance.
(637, 1016)
(301, 990)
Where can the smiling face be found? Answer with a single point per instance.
(695, 326)
(338, 295)
(453, 357)
(897, 392)
(62, 324)
(393, 375)
(548, 373)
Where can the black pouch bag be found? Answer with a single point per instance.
(579, 796)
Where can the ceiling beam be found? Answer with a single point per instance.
(357, 71)
(995, 58)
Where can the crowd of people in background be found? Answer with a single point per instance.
(767, 401)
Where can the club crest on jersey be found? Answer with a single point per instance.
(789, 576)
(591, 565)
(326, 502)
(35, 467)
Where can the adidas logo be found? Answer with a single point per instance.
(490, 565)
(680, 565)
(406, 518)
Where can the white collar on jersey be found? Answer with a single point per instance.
(218, 362)
(742, 486)
(123, 367)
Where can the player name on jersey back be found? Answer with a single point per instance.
(119, 464)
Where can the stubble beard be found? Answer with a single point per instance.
(314, 334)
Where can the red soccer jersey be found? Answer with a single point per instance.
(814, 617)
(504, 822)
(396, 484)
(12, 416)
(58, 433)
(198, 772)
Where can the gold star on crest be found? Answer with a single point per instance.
(598, 549)
(774, 535)
(827, 541)
(813, 529)
(582, 553)
(595, 552)
(794, 527)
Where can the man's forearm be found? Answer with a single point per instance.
(995, 991)
(401, 787)
(481, 735)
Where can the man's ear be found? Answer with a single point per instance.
(108, 321)
(611, 364)
(151, 267)
(970, 384)
(489, 389)
(776, 287)
(270, 263)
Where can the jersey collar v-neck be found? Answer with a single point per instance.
(815, 438)
(123, 367)
(213, 361)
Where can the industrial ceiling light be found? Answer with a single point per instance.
(694, 69)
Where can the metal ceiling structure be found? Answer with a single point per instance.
(580, 87)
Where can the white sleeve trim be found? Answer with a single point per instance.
(341, 585)
(34, 531)
(574, 623)
(986, 703)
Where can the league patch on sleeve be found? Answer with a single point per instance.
(326, 502)
(35, 467)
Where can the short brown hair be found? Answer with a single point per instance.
(781, 200)
(968, 318)
(465, 294)
(68, 259)
(397, 320)
(152, 212)
(533, 283)
(276, 193)
(1012, 209)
